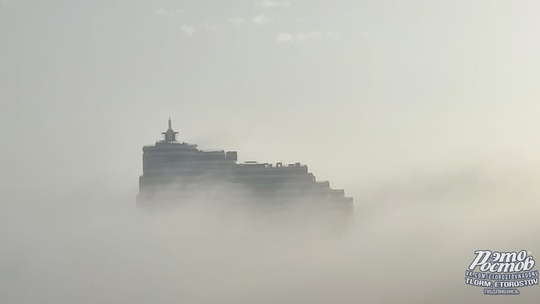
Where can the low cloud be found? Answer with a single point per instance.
(87, 248)
(209, 27)
(305, 36)
(261, 19)
(164, 12)
(237, 21)
(273, 3)
(285, 38)
(308, 35)
(187, 30)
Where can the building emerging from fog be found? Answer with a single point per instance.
(177, 171)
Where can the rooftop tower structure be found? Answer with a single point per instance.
(170, 135)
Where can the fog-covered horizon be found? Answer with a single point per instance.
(424, 111)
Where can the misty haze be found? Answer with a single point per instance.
(424, 112)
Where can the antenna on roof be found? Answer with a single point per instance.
(170, 135)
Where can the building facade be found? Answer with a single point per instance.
(178, 171)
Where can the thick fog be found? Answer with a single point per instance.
(424, 111)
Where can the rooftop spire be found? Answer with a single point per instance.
(170, 135)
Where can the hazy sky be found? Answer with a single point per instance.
(394, 101)
(355, 89)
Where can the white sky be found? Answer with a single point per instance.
(355, 89)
